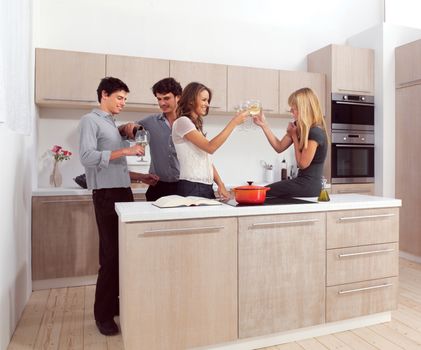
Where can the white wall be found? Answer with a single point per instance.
(17, 158)
(270, 34)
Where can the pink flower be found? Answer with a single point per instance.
(59, 154)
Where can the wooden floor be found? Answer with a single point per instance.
(63, 319)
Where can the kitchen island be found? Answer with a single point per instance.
(223, 277)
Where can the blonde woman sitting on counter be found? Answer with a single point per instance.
(308, 134)
(197, 173)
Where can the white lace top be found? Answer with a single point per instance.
(195, 164)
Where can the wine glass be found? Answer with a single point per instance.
(253, 107)
(142, 138)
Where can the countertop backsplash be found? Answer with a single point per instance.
(238, 160)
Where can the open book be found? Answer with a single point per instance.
(179, 201)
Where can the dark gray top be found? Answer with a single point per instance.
(99, 136)
(308, 182)
(164, 162)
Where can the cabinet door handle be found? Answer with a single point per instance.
(66, 201)
(349, 218)
(366, 253)
(142, 103)
(342, 89)
(353, 191)
(182, 229)
(304, 221)
(410, 83)
(365, 288)
(214, 107)
(68, 99)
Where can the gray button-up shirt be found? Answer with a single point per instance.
(99, 136)
(164, 162)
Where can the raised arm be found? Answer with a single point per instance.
(279, 145)
(210, 146)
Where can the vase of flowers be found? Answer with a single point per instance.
(59, 154)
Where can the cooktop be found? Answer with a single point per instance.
(271, 201)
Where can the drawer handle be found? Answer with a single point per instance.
(365, 288)
(285, 222)
(366, 253)
(142, 103)
(172, 230)
(348, 218)
(343, 89)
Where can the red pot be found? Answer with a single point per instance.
(250, 194)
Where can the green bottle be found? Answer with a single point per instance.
(323, 196)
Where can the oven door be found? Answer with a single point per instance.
(352, 116)
(352, 163)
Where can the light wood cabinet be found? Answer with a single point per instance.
(407, 63)
(281, 273)
(253, 83)
(64, 237)
(140, 74)
(214, 76)
(367, 189)
(348, 69)
(67, 78)
(290, 81)
(362, 250)
(178, 283)
(408, 143)
(363, 298)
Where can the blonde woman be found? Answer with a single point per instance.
(308, 135)
(197, 172)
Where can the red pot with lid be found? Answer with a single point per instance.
(250, 194)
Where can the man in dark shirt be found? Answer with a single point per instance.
(164, 162)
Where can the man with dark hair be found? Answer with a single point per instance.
(164, 162)
(103, 154)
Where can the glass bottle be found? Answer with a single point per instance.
(323, 196)
(283, 170)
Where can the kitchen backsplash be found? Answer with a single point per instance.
(239, 160)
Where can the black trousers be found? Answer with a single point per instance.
(161, 189)
(106, 304)
(188, 188)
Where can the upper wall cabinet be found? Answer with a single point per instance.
(140, 74)
(253, 83)
(67, 78)
(291, 81)
(214, 76)
(408, 67)
(348, 69)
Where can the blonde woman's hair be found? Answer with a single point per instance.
(309, 113)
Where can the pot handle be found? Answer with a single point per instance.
(249, 182)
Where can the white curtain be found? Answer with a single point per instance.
(16, 101)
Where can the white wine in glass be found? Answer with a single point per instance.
(254, 107)
(142, 138)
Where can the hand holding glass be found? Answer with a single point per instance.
(142, 138)
(254, 107)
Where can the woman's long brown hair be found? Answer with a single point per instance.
(187, 103)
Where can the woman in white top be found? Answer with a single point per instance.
(197, 173)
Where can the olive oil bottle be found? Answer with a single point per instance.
(323, 196)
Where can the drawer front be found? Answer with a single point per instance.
(355, 264)
(359, 299)
(349, 228)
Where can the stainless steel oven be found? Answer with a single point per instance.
(352, 156)
(352, 112)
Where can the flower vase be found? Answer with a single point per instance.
(55, 177)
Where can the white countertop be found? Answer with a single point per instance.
(145, 211)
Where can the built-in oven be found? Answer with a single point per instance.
(352, 112)
(352, 156)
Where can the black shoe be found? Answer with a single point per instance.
(107, 327)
